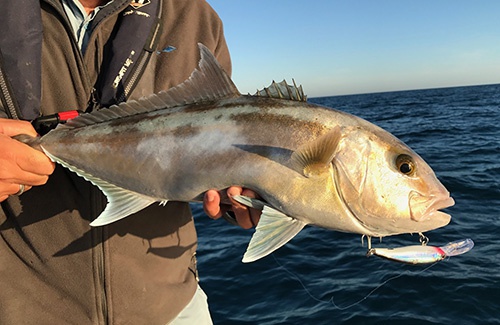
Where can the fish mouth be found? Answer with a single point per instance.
(425, 215)
(427, 209)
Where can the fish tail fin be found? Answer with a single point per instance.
(34, 142)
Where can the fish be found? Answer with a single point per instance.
(311, 165)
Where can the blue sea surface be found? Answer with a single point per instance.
(324, 277)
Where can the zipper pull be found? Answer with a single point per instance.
(93, 101)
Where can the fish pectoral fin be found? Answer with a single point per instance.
(274, 230)
(315, 158)
(250, 202)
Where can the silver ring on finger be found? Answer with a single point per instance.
(21, 189)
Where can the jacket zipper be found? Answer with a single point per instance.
(141, 63)
(99, 258)
(5, 91)
(138, 70)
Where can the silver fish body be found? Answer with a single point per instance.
(310, 164)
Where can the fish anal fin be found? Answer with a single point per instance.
(121, 202)
(315, 157)
(274, 230)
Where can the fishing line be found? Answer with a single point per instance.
(331, 300)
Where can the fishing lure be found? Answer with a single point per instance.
(423, 254)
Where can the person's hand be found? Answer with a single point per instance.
(20, 165)
(246, 217)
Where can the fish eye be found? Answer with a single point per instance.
(405, 164)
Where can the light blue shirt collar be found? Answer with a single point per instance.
(80, 21)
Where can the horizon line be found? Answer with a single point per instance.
(403, 90)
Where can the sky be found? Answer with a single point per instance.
(335, 47)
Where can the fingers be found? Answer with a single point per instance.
(12, 156)
(211, 204)
(246, 217)
(15, 127)
(7, 189)
(19, 163)
(34, 161)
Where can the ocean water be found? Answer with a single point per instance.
(324, 277)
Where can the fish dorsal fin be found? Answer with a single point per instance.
(209, 82)
(283, 90)
(315, 158)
